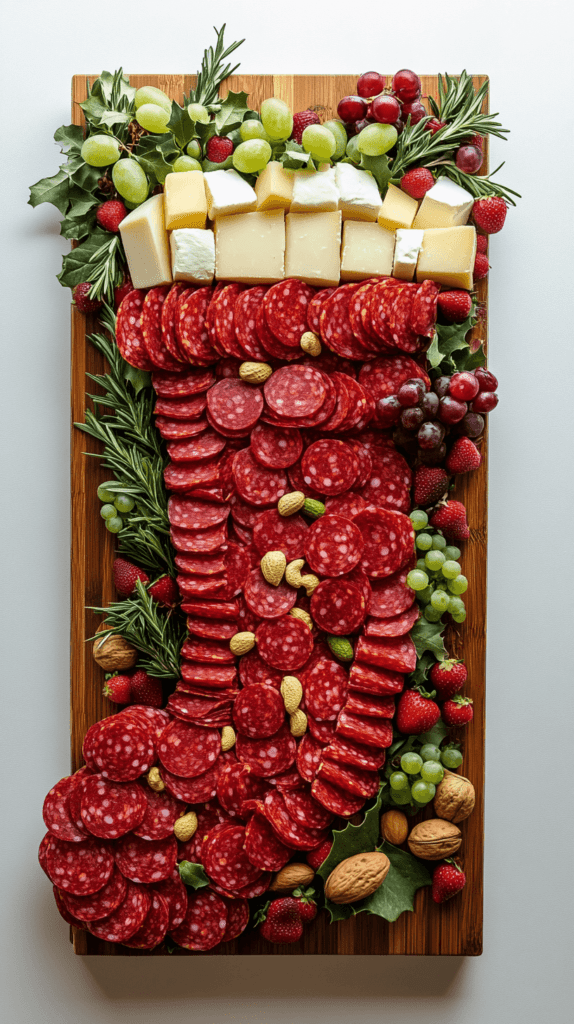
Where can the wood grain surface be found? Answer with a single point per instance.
(454, 928)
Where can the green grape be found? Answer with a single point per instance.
(452, 553)
(456, 606)
(153, 118)
(124, 503)
(421, 564)
(419, 519)
(185, 163)
(423, 541)
(432, 614)
(130, 181)
(438, 542)
(277, 119)
(352, 150)
(252, 156)
(149, 94)
(319, 142)
(450, 569)
(459, 585)
(100, 150)
(424, 596)
(434, 559)
(399, 780)
(252, 129)
(411, 763)
(193, 149)
(104, 494)
(440, 601)
(417, 580)
(376, 139)
(422, 791)
(108, 511)
(401, 797)
(198, 112)
(459, 616)
(451, 758)
(432, 771)
(114, 524)
(430, 752)
(338, 130)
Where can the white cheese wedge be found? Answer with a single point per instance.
(447, 256)
(314, 192)
(227, 192)
(313, 247)
(250, 247)
(193, 255)
(445, 205)
(146, 244)
(359, 196)
(408, 244)
(367, 251)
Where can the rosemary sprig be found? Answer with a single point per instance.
(480, 185)
(212, 73)
(157, 634)
(105, 269)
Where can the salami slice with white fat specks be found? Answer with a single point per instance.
(258, 712)
(262, 846)
(295, 392)
(143, 860)
(237, 917)
(253, 670)
(370, 705)
(322, 731)
(399, 321)
(333, 545)
(242, 512)
(122, 750)
(338, 607)
(297, 482)
(379, 304)
(152, 332)
(154, 928)
(188, 750)
(207, 652)
(276, 447)
(274, 532)
(342, 404)
(99, 904)
(204, 924)
(175, 894)
(318, 418)
(169, 310)
(325, 688)
(388, 540)
(246, 305)
(195, 515)
(335, 324)
(225, 860)
(266, 600)
(237, 783)
(57, 814)
(211, 629)
(269, 342)
(398, 654)
(256, 485)
(336, 800)
(356, 781)
(126, 920)
(314, 309)
(357, 755)
(189, 408)
(129, 334)
(309, 754)
(161, 814)
(202, 564)
(268, 757)
(234, 405)
(175, 430)
(110, 809)
(289, 831)
(365, 462)
(424, 309)
(362, 407)
(374, 732)
(286, 305)
(398, 625)
(360, 327)
(305, 810)
(191, 326)
(197, 449)
(79, 868)
(193, 791)
(330, 467)
(390, 481)
(378, 681)
(64, 912)
(185, 476)
(285, 644)
(224, 318)
(154, 720)
(345, 505)
(200, 541)
(181, 385)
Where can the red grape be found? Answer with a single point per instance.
(352, 108)
(406, 85)
(411, 392)
(400, 126)
(485, 401)
(429, 405)
(440, 386)
(472, 425)
(433, 456)
(463, 386)
(486, 380)
(388, 411)
(370, 84)
(404, 437)
(386, 109)
(359, 125)
(468, 159)
(450, 410)
(434, 125)
(430, 435)
(412, 418)
(416, 111)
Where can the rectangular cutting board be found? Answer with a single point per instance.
(454, 928)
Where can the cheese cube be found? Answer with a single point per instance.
(193, 255)
(313, 247)
(227, 192)
(367, 251)
(314, 191)
(146, 244)
(398, 209)
(445, 205)
(447, 256)
(274, 187)
(250, 247)
(359, 196)
(408, 245)
(184, 200)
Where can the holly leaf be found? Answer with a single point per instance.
(205, 132)
(192, 874)
(55, 190)
(139, 379)
(98, 114)
(180, 125)
(346, 842)
(70, 137)
(294, 157)
(379, 168)
(208, 165)
(435, 735)
(405, 876)
(424, 665)
(77, 227)
(153, 151)
(75, 264)
(427, 636)
(231, 113)
(448, 339)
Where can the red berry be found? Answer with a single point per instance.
(463, 386)
(481, 266)
(283, 923)
(81, 296)
(455, 306)
(416, 111)
(431, 484)
(448, 677)
(451, 410)
(482, 243)
(164, 591)
(301, 121)
(406, 85)
(417, 182)
(463, 457)
(121, 291)
(485, 401)
(457, 712)
(386, 109)
(468, 159)
(110, 215)
(307, 906)
(146, 690)
(370, 84)
(434, 125)
(316, 857)
(451, 519)
(489, 214)
(416, 713)
(486, 380)
(219, 148)
(119, 689)
(447, 881)
(125, 575)
(352, 108)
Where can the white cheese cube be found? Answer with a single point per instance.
(408, 244)
(227, 192)
(359, 196)
(314, 192)
(367, 251)
(146, 245)
(193, 255)
(445, 205)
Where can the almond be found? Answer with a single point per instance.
(273, 566)
(292, 876)
(255, 373)
(311, 343)
(454, 799)
(434, 839)
(394, 827)
(357, 877)
(242, 643)
(290, 503)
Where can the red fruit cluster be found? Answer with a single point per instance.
(286, 917)
(82, 300)
(302, 120)
(219, 148)
(137, 688)
(374, 103)
(126, 575)
(448, 678)
(110, 215)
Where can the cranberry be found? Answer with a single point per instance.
(386, 109)
(440, 386)
(412, 418)
(434, 125)
(388, 411)
(430, 435)
(352, 108)
(486, 380)
(429, 405)
(450, 410)
(433, 456)
(370, 84)
(411, 392)
(463, 386)
(468, 159)
(406, 85)
(416, 111)
(471, 425)
(486, 401)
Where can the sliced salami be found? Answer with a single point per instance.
(129, 334)
(56, 812)
(262, 846)
(258, 711)
(199, 541)
(79, 868)
(378, 681)
(374, 732)
(398, 625)
(234, 405)
(314, 309)
(211, 629)
(361, 408)
(388, 539)
(365, 462)
(224, 318)
(207, 652)
(335, 324)
(338, 607)
(276, 447)
(285, 644)
(154, 928)
(154, 720)
(212, 609)
(246, 305)
(236, 784)
(323, 731)
(333, 545)
(169, 310)
(188, 750)
(309, 754)
(424, 309)
(342, 404)
(391, 596)
(237, 918)
(265, 600)
(256, 485)
(126, 920)
(399, 321)
(204, 924)
(195, 515)
(329, 466)
(356, 781)
(193, 791)
(383, 376)
(181, 408)
(201, 564)
(204, 586)
(181, 385)
(398, 654)
(142, 860)
(197, 449)
(161, 814)
(295, 392)
(305, 810)
(64, 912)
(173, 430)
(336, 800)
(269, 342)
(390, 480)
(175, 894)
(152, 333)
(359, 326)
(274, 532)
(123, 749)
(288, 780)
(268, 757)
(253, 670)
(346, 505)
(357, 755)
(191, 326)
(380, 304)
(110, 809)
(99, 904)
(225, 860)
(289, 831)
(285, 306)
(325, 688)
(186, 475)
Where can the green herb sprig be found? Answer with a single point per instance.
(212, 74)
(157, 634)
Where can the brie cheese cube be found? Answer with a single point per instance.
(408, 243)
(227, 192)
(398, 209)
(146, 244)
(250, 247)
(313, 247)
(359, 196)
(314, 192)
(274, 187)
(447, 256)
(193, 255)
(445, 205)
(367, 251)
(184, 200)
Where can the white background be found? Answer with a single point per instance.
(525, 973)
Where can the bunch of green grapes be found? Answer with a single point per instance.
(415, 782)
(437, 578)
(116, 504)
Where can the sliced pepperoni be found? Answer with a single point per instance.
(201, 564)
(390, 480)
(362, 407)
(122, 749)
(268, 757)
(285, 306)
(197, 449)
(262, 846)
(195, 515)
(342, 404)
(305, 810)
(258, 711)
(224, 318)
(253, 670)
(237, 918)
(295, 474)
(329, 466)
(99, 904)
(365, 462)
(129, 334)
(325, 688)
(323, 731)
(356, 781)
(126, 920)
(152, 332)
(276, 447)
(256, 485)
(374, 732)
(338, 607)
(169, 310)
(335, 324)
(391, 596)
(361, 328)
(398, 625)
(211, 629)
(401, 331)
(265, 600)
(380, 304)
(274, 532)
(142, 860)
(314, 309)
(181, 385)
(269, 342)
(333, 545)
(181, 408)
(57, 814)
(309, 754)
(335, 799)
(379, 681)
(173, 430)
(191, 326)
(246, 305)
(398, 654)
(357, 755)
(188, 750)
(288, 780)
(212, 609)
(162, 812)
(186, 475)
(79, 868)
(346, 505)
(295, 392)
(225, 860)
(388, 540)
(204, 924)
(203, 541)
(234, 405)
(207, 652)
(110, 809)
(424, 309)
(196, 790)
(154, 928)
(237, 783)
(175, 894)
(285, 644)
(289, 831)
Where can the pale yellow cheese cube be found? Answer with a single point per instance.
(185, 200)
(315, 192)
(447, 256)
(313, 247)
(227, 192)
(398, 209)
(146, 244)
(367, 251)
(274, 187)
(445, 205)
(250, 247)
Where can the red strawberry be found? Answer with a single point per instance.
(119, 689)
(448, 677)
(481, 266)
(463, 457)
(416, 713)
(125, 575)
(430, 485)
(482, 243)
(451, 519)
(301, 121)
(455, 306)
(316, 857)
(81, 296)
(447, 880)
(110, 215)
(307, 906)
(489, 214)
(146, 690)
(434, 125)
(417, 182)
(164, 591)
(457, 711)
(219, 148)
(283, 923)
(475, 140)
(121, 291)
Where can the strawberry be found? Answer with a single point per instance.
(301, 121)
(219, 148)
(316, 857)
(81, 297)
(146, 690)
(416, 712)
(447, 880)
(119, 689)
(164, 591)
(457, 711)
(430, 485)
(307, 906)
(475, 140)
(482, 243)
(448, 677)
(463, 457)
(417, 182)
(489, 214)
(283, 923)
(451, 519)
(110, 215)
(121, 291)
(455, 306)
(481, 266)
(125, 575)
(434, 125)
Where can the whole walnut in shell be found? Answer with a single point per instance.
(112, 652)
(454, 798)
(434, 839)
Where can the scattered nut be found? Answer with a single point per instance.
(290, 503)
(227, 737)
(299, 613)
(241, 643)
(155, 781)
(357, 877)
(291, 876)
(273, 567)
(434, 839)
(292, 693)
(394, 827)
(298, 723)
(310, 582)
(293, 573)
(455, 798)
(112, 652)
(310, 343)
(255, 373)
(185, 827)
